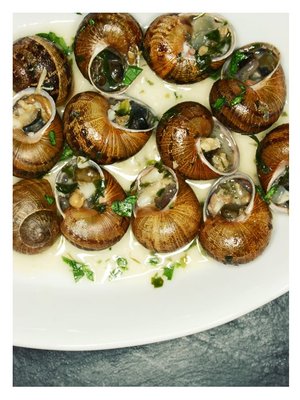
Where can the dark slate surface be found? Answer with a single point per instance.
(250, 351)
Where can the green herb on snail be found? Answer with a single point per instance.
(58, 40)
(124, 208)
(52, 137)
(131, 73)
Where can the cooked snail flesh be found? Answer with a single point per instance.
(107, 129)
(251, 93)
(106, 46)
(33, 54)
(272, 159)
(164, 204)
(194, 144)
(37, 133)
(186, 48)
(237, 222)
(84, 194)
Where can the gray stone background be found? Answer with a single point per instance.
(250, 351)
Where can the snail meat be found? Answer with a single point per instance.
(37, 133)
(194, 144)
(164, 205)
(186, 48)
(106, 46)
(237, 221)
(273, 167)
(35, 218)
(84, 194)
(33, 54)
(107, 129)
(251, 93)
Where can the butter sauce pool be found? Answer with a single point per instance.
(160, 96)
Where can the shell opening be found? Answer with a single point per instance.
(219, 151)
(128, 114)
(212, 36)
(33, 112)
(230, 197)
(80, 184)
(279, 188)
(107, 70)
(251, 64)
(156, 187)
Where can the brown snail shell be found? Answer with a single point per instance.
(35, 220)
(169, 226)
(31, 54)
(274, 159)
(181, 137)
(35, 153)
(235, 233)
(105, 45)
(90, 225)
(251, 93)
(179, 47)
(89, 129)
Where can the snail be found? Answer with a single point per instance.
(33, 54)
(273, 167)
(107, 129)
(251, 93)
(84, 194)
(195, 144)
(237, 222)
(35, 218)
(167, 213)
(187, 48)
(106, 47)
(37, 133)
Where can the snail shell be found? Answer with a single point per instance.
(31, 55)
(195, 144)
(186, 48)
(165, 203)
(274, 163)
(91, 126)
(251, 93)
(237, 222)
(37, 134)
(88, 220)
(35, 220)
(105, 45)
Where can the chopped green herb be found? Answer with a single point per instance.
(131, 73)
(100, 185)
(236, 58)
(258, 158)
(79, 269)
(67, 152)
(122, 263)
(169, 271)
(219, 103)
(58, 40)
(267, 197)
(52, 137)
(124, 207)
(157, 281)
(154, 260)
(239, 98)
(149, 82)
(124, 108)
(49, 199)
(91, 21)
(122, 266)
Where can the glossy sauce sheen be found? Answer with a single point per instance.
(160, 96)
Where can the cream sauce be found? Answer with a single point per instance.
(160, 96)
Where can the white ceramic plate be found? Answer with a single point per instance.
(51, 311)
